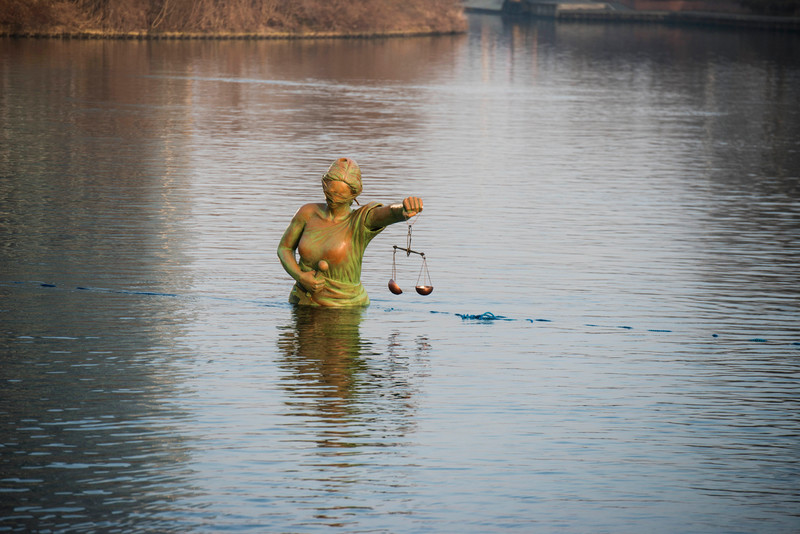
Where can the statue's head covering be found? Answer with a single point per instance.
(345, 170)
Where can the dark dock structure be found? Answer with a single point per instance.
(697, 12)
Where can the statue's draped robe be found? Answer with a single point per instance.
(342, 245)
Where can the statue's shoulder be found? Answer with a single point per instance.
(368, 207)
(308, 211)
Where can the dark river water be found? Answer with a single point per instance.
(624, 200)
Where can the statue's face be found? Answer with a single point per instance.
(337, 192)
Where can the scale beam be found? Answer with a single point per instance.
(408, 251)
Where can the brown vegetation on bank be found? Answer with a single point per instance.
(230, 17)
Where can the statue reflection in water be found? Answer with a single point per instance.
(345, 392)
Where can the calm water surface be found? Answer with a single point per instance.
(627, 197)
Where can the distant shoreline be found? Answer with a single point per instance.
(216, 36)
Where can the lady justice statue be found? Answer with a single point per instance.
(331, 238)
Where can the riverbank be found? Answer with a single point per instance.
(211, 36)
(235, 19)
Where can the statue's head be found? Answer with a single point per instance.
(344, 170)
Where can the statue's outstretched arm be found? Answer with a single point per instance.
(386, 215)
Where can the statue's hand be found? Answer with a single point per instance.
(310, 282)
(412, 206)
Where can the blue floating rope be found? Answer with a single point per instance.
(486, 316)
(144, 293)
(489, 316)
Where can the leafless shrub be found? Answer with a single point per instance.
(234, 16)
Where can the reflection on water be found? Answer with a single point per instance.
(101, 173)
(627, 196)
(342, 386)
(351, 404)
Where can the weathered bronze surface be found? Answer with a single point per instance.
(330, 239)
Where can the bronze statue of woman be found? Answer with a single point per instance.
(331, 238)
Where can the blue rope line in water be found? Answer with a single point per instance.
(490, 317)
(145, 293)
(487, 317)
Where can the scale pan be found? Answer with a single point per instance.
(424, 290)
(394, 288)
